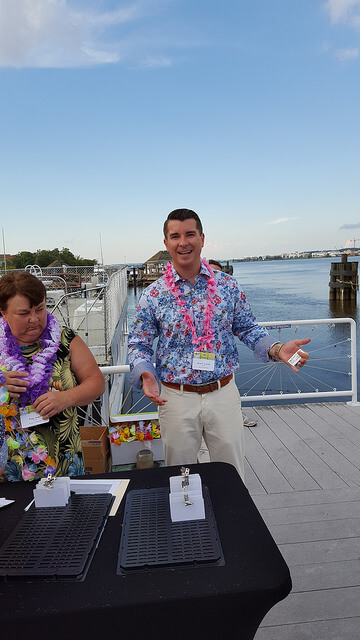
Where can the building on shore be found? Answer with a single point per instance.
(151, 270)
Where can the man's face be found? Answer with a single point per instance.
(184, 243)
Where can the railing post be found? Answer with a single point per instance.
(354, 401)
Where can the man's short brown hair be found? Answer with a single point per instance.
(183, 214)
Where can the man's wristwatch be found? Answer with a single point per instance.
(278, 346)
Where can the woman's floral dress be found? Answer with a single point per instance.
(54, 446)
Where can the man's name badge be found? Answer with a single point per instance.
(203, 361)
(29, 417)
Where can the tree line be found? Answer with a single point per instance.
(44, 257)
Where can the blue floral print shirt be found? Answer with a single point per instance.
(158, 316)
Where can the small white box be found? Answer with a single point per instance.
(56, 495)
(193, 508)
(181, 511)
(194, 483)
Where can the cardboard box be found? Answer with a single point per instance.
(103, 465)
(95, 446)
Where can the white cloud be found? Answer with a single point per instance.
(355, 225)
(50, 33)
(280, 220)
(347, 11)
(347, 54)
(157, 61)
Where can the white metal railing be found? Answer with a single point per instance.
(349, 356)
(326, 351)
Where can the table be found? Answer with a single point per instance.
(182, 603)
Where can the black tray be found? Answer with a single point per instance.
(56, 543)
(150, 540)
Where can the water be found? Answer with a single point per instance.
(286, 290)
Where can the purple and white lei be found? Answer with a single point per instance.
(41, 368)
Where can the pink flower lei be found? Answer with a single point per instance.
(206, 341)
(41, 368)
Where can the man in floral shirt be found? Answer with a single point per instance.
(196, 314)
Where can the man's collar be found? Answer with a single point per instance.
(203, 271)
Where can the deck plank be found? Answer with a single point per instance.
(312, 606)
(318, 530)
(340, 471)
(317, 527)
(263, 466)
(342, 629)
(254, 486)
(290, 429)
(294, 472)
(322, 496)
(331, 447)
(325, 575)
(332, 433)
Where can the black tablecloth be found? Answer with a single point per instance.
(180, 603)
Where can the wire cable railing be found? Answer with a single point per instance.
(330, 374)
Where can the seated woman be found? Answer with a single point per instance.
(45, 367)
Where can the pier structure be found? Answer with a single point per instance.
(151, 270)
(344, 282)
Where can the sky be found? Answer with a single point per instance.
(113, 113)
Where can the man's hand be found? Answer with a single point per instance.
(288, 349)
(151, 388)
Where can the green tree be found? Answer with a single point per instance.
(44, 257)
(67, 257)
(22, 259)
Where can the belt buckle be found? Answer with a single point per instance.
(202, 388)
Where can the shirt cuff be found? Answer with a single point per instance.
(138, 370)
(261, 351)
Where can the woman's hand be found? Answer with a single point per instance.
(88, 376)
(51, 403)
(15, 382)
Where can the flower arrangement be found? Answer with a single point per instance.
(137, 430)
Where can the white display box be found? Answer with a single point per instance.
(179, 511)
(57, 495)
(194, 483)
(126, 452)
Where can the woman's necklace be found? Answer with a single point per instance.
(206, 341)
(41, 367)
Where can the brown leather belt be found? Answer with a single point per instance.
(200, 388)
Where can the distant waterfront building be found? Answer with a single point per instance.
(154, 267)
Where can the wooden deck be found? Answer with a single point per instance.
(303, 472)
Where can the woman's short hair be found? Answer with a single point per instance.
(21, 283)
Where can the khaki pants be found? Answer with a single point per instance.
(187, 416)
